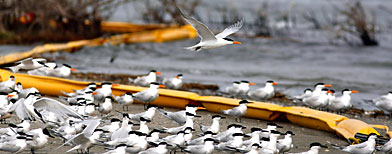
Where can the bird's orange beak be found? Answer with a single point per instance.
(74, 70)
(354, 91)
(176, 77)
(328, 85)
(329, 91)
(158, 73)
(162, 86)
(252, 84)
(115, 85)
(94, 93)
(11, 95)
(236, 42)
(274, 83)
(201, 108)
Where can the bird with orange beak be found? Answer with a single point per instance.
(267, 92)
(145, 81)
(104, 91)
(149, 95)
(173, 83)
(343, 102)
(208, 39)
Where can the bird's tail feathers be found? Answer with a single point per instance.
(163, 112)
(14, 69)
(193, 48)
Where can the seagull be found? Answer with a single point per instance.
(387, 147)
(138, 146)
(173, 83)
(254, 149)
(15, 146)
(30, 108)
(342, 102)
(208, 39)
(153, 136)
(113, 126)
(238, 111)
(318, 88)
(7, 86)
(367, 147)
(160, 149)
(90, 87)
(271, 147)
(28, 64)
(384, 102)
(188, 123)
(214, 128)
(286, 144)
(175, 141)
(63, 71)
(40, 138)
(313, 149)
(179, 116)
(125, 100)
(119, 149)
(255, 136)
(206, 148)
(149, 114)
(270, 127)
(145, 81)
(264, 93)
(228, 134)
(200, 140)
(235, 143)
(10, 130)
(104, 91)
(149, 95)
(316, 101)
(298, 99)
(106, 106)
(233, 89)
(143, 125)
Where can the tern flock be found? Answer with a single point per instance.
(83, 119)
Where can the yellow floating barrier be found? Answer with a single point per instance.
(302, 116)
(123, 27)
(158, 35)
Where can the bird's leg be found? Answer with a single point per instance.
(32, 151)
(123, 108)
(145, 108)
(127, 108)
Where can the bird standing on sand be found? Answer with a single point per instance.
(148, 95)
(125, 100)
(238, 111)
(367, 147)
(208, 39)
(314, 149)
(214, 127)
(179, 116)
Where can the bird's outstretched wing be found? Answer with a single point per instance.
(231, 29)
(202, 30)
(56, 107)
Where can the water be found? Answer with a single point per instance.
(295, 65)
